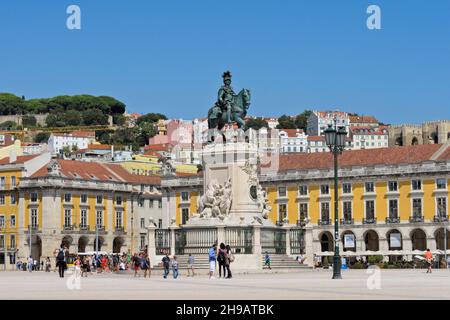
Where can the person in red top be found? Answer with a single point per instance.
(429, 259)
(103, 261)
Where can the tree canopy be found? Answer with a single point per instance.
(11, 104)
(256, 124)
(298, 122)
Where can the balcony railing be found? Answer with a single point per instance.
(440, 219)
(369, 220)
(101, 228)
(279, 223)
(325, 222)
(416, 219)
(392, 220)
(302, 222)
(69, 227)
(119, 229)
(84, 227)
(347, 221)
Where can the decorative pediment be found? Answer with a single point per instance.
(54, 168)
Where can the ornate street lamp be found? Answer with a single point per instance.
(335, 139)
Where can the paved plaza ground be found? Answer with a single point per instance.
(307, 284)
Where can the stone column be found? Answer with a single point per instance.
(384, 248)
(173, 227)
(407, 245)
(256, 244)
(151, 245)
(287, 229)
(309, 248)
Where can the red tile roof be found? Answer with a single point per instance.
(96, 171)
(86, 134)
(20, 159)
(99, 146)
(363, 119)
(292, 133)
(158, 147)
(316, 138)
(367, 157)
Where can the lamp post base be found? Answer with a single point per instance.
(336, 268)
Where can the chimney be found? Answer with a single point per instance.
(12, 156)
(112, 152)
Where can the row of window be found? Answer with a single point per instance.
(369, 187)
(84, 199)
(12, 241)
(4, 181)
(68, 222)
(12, 221)
(13, 199)
(393, 205)
(369, 144)
(141, 203)
(371, 137)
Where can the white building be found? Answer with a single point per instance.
(318, 121)
(367, 137)
(318, 144)
(34, 148)
(78, 139)
(293, 140)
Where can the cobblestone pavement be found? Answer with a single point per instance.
(308, 284)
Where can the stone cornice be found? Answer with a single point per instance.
(379, 171)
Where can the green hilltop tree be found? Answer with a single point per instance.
(256, 124)
(301, 120)
(286, 122)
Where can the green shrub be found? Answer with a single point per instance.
(375, 259)
(358, 265)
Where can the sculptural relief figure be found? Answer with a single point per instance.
(207, 202)
(216, 202)
(263, 202)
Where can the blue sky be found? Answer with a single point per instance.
(168, 56)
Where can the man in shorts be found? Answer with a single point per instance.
(190, 265)
(212, 260)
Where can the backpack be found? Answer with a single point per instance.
(60, 256)
(221, 257)
(143, 264)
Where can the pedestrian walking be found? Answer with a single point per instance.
(212, 260)
(77, 264)
(61, 261)
(30, 264)
(166, 265)
(191, 265)
(267, 260)
(429, 260)
(145, 265)
(175, 267)
(229, 258)
(136, 264)
(221, 260)
(84, 266)
(47, 264)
